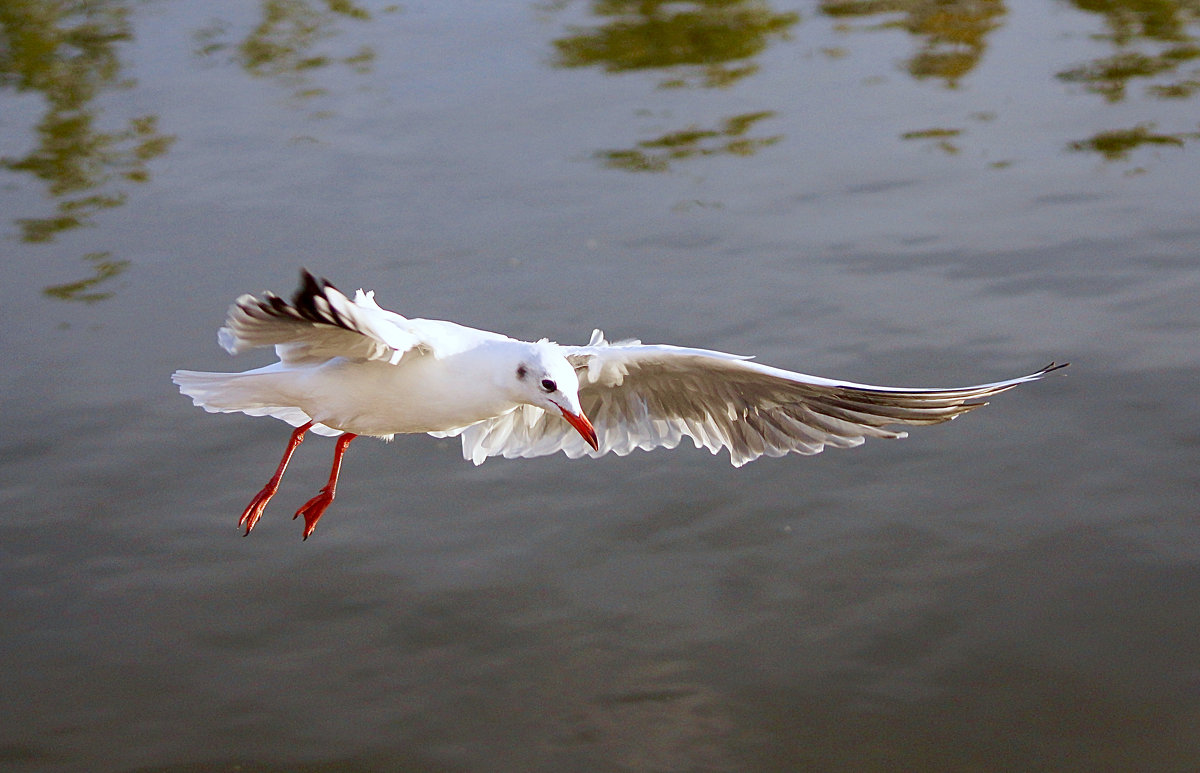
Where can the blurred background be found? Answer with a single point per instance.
(902, 192)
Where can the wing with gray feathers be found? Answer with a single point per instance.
(646, 397)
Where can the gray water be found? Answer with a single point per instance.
(942, 194)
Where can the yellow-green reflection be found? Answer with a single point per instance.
(953, 33)
(1154, 45)
(1111, 75)
(716, 38)
(103, 269)
(284, 44)
(1118, 144)
(941, 137)
(705, 43)
(67, 53)
(1129, 20)
(656, 155)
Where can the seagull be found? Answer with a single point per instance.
(348, 368)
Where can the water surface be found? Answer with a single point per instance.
(935, 194)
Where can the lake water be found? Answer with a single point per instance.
(924, 193)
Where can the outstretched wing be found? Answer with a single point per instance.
(646, 397)
(319, 324)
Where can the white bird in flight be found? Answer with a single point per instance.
(348, 368)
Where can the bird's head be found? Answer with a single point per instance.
(544, 378)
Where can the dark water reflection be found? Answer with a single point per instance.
(716, 40)
(952, 35)
(706, 44)
(285, 43)
(68, 56)
(924, 193)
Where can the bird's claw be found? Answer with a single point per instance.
(313, 509)
(254, 510)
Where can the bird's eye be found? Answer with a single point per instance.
(549, 385)
(521, 371)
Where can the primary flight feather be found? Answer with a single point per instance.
(348, 368)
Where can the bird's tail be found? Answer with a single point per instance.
(246, 393)
(216, 392)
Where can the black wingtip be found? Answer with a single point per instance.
(310, 285)
(1054, 366)
(311, 301)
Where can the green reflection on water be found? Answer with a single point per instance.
(942, 137)
(1128, 20)
(1110, 75)
(1153, 40)
(953, 33)
(705, 43)
(1117, 144)
(103, 268)
(67, 52)
(951, 36)
(714, 37)
(656, 155)
(284, 43)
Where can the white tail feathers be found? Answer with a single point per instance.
(237, 393)
(214, 392)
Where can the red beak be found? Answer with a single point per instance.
(585, 428)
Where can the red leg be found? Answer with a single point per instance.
(314, 508)
(254, 510)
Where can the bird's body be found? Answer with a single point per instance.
(376, 398)
(349, 368)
